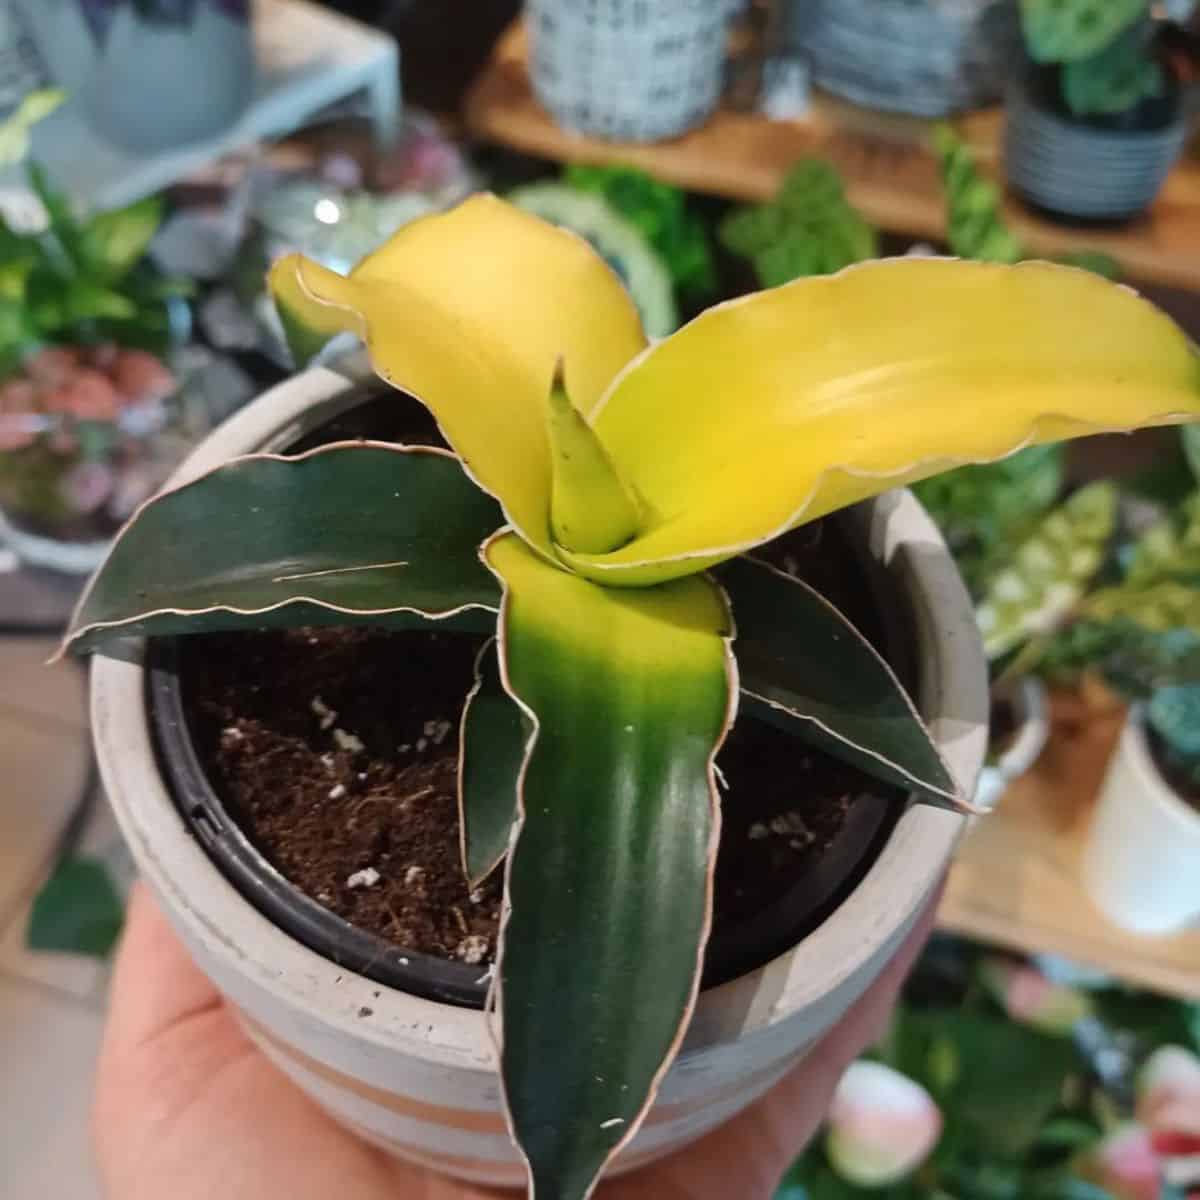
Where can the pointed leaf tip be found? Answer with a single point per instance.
(591, 509)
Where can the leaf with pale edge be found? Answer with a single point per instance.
(806, 668)
(493, 738)
(361, 533)
(610, 872)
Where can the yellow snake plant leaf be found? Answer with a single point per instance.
(470, 311)
(775, 409)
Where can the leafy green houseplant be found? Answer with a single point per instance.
(809, 228)
(997, 1082)
(1098, 109)
(597, 509)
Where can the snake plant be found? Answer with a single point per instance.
(597, 509)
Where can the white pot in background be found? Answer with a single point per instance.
(1141, 862)
(1028, 698)
(417, 1076)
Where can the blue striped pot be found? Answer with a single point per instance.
(1081, 171)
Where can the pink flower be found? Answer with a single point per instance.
(1029, 998)
(1168, 1100)
(140, 376)
(1125, 1164)
(882, 1125)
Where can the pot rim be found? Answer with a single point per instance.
(206, 908)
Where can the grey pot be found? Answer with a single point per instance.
(155, 85)
(628, 70)
(928, 57)
(1078, 170)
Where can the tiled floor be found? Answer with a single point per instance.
(51, 1005)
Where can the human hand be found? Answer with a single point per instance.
(187, 1107)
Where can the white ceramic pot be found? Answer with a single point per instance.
(1141, 861)
(419, 1077)
(1028, 698)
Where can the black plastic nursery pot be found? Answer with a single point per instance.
(1100, 169)
(737, 946)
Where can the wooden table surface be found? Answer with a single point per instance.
(890, 174)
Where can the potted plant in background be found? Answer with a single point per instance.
(631, 482)
(928, 57)
(1097, 119)
(1144, 837)
(628, 72)
(86, 429)
(151, 74)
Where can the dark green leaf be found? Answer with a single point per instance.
(366, 533)
(610, 874)
(494, 735)
(804, 666)
(78, 911)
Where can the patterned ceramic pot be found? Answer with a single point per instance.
(625, 70)
(417, 1076)
(929, 57)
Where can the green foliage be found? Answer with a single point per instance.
(981, 510)
(78, 911)
(810, 228)
(1050, 571)
(15, 128)
(660, 211)
(1102, 46)
(1115, 80)
(81, 281)
(975, 223)
(1169, 549)
(1174, 714)
(1071, 30)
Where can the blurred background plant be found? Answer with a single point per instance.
(84, 320)
(1102, 48)
(975, 223)
(999, 1080)
(809, 228)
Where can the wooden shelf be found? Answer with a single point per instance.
(889, 173)
(1016, 880)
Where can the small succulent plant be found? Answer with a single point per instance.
(1174, 714)
(1102, 48)
(596, 511)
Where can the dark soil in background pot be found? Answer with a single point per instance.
(335, 751)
